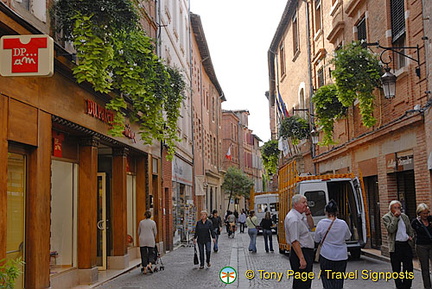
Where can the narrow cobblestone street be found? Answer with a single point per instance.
(181, 273)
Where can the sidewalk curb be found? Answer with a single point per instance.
(375, 256)
(387, 259)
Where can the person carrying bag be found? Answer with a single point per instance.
(332, 255)
(318, 250)
(252, 231)
(196, 261)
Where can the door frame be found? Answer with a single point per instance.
(22, 247)
(102, 221)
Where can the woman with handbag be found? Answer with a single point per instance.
(331, 234)
(422, 225)
(204, 233)
(251, 223)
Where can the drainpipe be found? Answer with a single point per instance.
(311, 88)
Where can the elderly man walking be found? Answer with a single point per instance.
(400, 242)
(298, 223)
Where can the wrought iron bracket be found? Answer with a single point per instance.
(396, 49)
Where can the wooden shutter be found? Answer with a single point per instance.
(397, 18)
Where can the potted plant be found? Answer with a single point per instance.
(294, 127)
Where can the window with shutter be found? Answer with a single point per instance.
(397, 18)
(295, 33)
(361, 30)
(317, 15)
(282, 59)
(320, 76)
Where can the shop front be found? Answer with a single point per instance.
(73, 195)
(183, 205)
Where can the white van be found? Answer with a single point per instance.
(264, 203)
(347, 194)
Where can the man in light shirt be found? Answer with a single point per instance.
(400, 242)
(298, 223)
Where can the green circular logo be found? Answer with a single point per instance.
(228, 275)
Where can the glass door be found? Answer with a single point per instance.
(16, 195)
(101, 222)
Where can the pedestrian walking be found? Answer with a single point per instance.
(251, 222)
(203, 235)
(266, 225)
(242, 220)
(422, 226)
(147, 232)
(217, 226)
(400, 241)
(230, 220)
(331, 233)
(298, 223)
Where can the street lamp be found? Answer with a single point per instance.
(389, 83)
(388, 79)
(314, 136)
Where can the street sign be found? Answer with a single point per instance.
(26, 55)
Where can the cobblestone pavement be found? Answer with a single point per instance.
(181, 273)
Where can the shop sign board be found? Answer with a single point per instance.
(26, 55)
(400, 161)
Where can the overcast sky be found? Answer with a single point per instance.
(239, 33)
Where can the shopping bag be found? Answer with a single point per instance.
(318, 252)
(196, 262)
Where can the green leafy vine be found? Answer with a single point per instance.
(328, 108)
(357, 73)
(116, 57)
(294, 127)
(270, 156)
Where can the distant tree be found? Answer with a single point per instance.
(236, 184)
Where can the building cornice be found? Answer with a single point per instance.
(395, 126)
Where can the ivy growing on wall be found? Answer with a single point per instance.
(116, 57)
(357, 73)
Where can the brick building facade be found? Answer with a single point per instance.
(207, 123)
(243, 148)
(392, 156)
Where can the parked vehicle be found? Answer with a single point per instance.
(264, 202)
(345, 189)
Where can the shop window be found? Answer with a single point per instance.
(131, 210)
(63, 215)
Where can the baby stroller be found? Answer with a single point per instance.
(157, 264)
